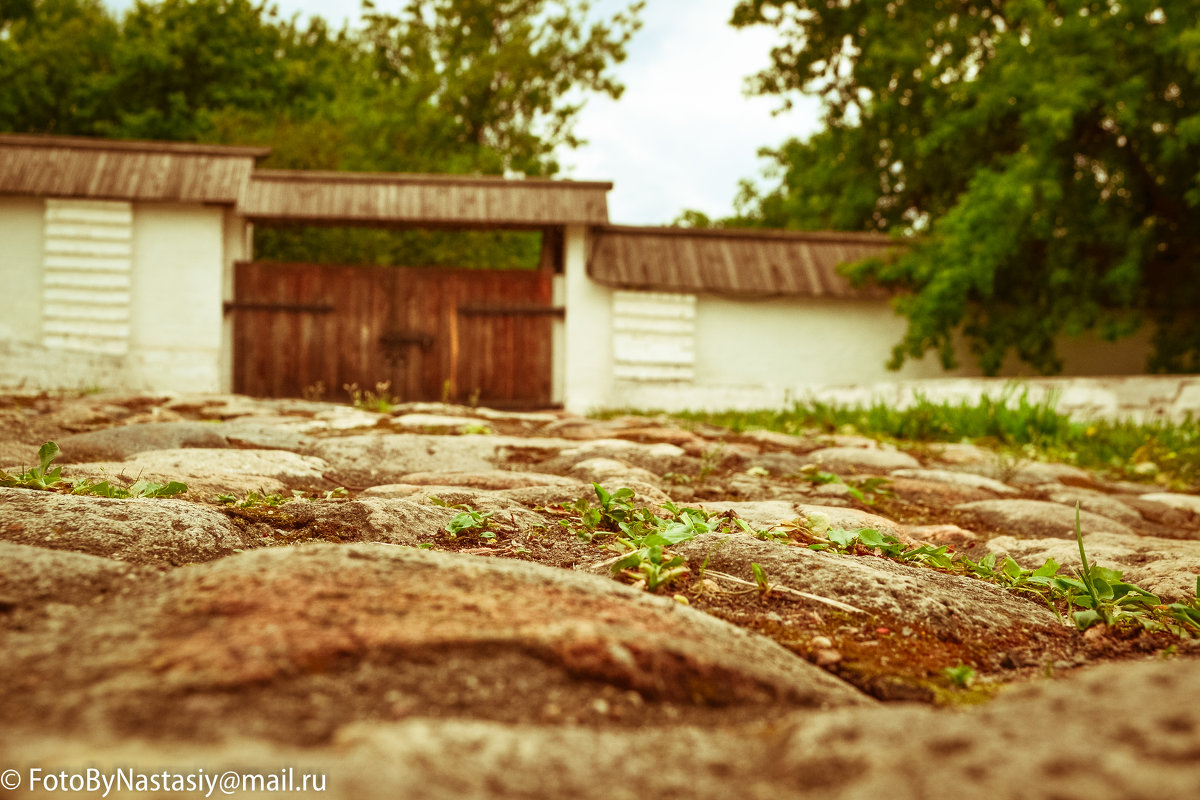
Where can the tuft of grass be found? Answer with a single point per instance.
(380, 400)
(1161, 451)
(252, 499)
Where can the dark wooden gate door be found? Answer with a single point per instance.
(430, 333)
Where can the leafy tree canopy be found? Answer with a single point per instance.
(447, 86)
(1043, 156)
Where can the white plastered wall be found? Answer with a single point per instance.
(239, 246)
(770, 353)
(587, 352)
(177, 327)
(57, 257)
(21, 269)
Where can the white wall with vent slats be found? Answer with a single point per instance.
(87, 276)
(654, 336)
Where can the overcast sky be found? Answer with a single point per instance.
(683, 134)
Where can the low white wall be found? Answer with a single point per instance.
(21, 225)
(154, 323)
(177, 318)
(587, 354)
(770, 353)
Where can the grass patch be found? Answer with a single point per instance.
(1164, 452)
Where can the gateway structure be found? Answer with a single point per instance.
(129, 265)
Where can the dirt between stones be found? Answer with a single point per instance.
(289, 625)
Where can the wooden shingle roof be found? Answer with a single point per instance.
(76, 167)
(400, 198)
(745, 262)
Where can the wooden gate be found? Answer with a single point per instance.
(432, 333)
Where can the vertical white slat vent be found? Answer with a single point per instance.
(654, 336)
(87, 276)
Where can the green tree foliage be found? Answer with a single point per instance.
(1045, 156)
(54, 59)
(498, 83)
(443, 86)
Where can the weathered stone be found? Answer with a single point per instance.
(1097, 503)
(118, 444)
(33, 578)
(957, 478)
(378, 458)
(200, 488)
(1172, 518)
(271, 432)
(835, 493)
(381, 665)
(849, 518)
(167, 532)
(656, 435)
(1183, 502)
(288, 468)
(1166, 567)
(1039, 518)
(860, 459)
(940, 534)
(1042, 738)
(780, 463)
(656, 458)
(950, 605)
(961, 453)
(761, 515)
(1033, 473)
(645, 495)
(606, 470)
(934, 493)
(291, 644)
(488, 479)
(385, 520)
(785, 441)
(846, 440)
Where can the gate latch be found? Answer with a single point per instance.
(395, 343)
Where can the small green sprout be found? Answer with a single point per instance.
(760, 578)
(961, 676)
(39, 477)
(470, 520)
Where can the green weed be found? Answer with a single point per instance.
(866, 541)
(760, 579)
(48, 478)
(39, 477)
(1093, 595)
(640, 538)
(380, 400)
(470, 520)
(961, 676)
(252, 499)
(140, 488)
